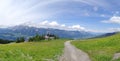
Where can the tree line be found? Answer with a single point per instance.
(37, 37)
(5, 41)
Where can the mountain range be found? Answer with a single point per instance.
(11, 33)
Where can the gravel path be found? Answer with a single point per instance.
(73, 54)
(116, 56)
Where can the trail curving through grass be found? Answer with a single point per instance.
(71, 53)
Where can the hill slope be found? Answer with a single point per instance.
(106, 35)
(32, 51)
(100, 49)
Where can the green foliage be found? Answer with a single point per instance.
(56, 37)
(21, 39)
(100, 49)
(36, 38)
(32, 51)
(116, 60)
(5, 41)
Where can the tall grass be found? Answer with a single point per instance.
(32, 51)
(100, 49)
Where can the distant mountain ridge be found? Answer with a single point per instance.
(25, 31)
(106, 35)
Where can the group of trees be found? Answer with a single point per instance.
(20, 39)
(37, 37)
(5, 41)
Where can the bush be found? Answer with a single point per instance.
(5, 41)
(37, 38)
(21, 39)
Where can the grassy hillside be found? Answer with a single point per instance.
(100, 49)
(32, 51)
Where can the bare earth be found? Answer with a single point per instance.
(116, 56)
(73, 54)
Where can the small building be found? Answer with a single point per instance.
(49, 37)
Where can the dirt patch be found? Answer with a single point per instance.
(116, 56)
(71, 53)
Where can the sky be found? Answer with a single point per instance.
(82, 15)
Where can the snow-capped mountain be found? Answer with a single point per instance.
(27, 31)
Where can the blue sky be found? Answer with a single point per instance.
(87, 15)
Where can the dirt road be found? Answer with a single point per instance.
(73, 54)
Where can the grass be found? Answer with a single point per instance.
(32, 51)
(100, 49)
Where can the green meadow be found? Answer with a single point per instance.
(100, 49)
(32, 51)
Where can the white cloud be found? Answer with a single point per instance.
(114, 19)
(55, 25)
(114, 29)
(44, 23)
(77, 27)
(63, 25)
(14, 12)
(105, 31)
(109, 30)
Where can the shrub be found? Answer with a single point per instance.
(36, 38)
(21, 39)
